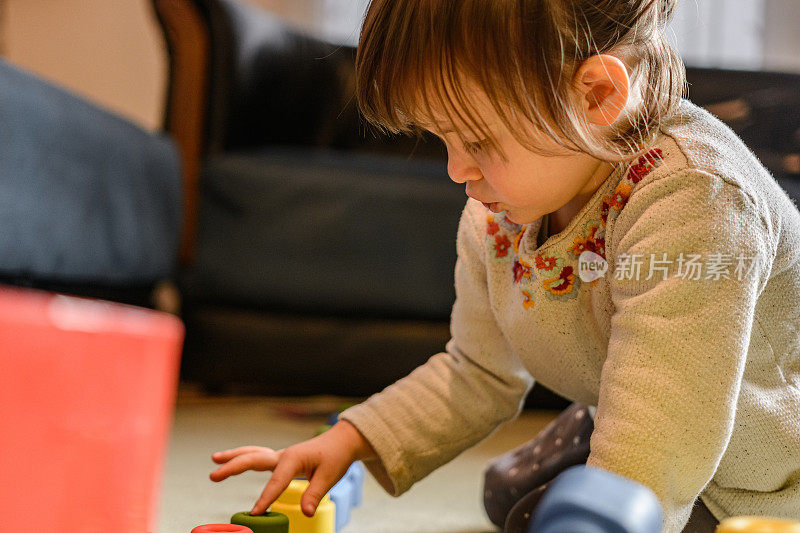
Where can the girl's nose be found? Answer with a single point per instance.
(461, 168)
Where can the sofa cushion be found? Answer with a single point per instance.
(317, 230)
(85, 196)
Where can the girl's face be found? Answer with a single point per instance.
(526, 185)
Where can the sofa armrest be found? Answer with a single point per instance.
(268, 82)
(240, 76)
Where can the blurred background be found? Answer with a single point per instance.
(112, 51)
(205, 158)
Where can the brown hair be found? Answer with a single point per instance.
(523, 55)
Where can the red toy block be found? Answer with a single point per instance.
(222, 528)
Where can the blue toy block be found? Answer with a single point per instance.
(358, 472)
(342, 496)
(585, 499)
(333, 419)
(347, 493)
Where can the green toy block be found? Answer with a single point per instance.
(322, 429)
(266, 523)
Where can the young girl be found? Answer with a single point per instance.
(620, 245)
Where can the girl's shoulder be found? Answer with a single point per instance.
(698, 183)
(693, 139)
(703, 159)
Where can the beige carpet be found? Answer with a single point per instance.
(447, 501)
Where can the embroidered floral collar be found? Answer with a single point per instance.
(551, 271)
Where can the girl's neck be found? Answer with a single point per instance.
(558, 220)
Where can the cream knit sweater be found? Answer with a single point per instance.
(694, 368)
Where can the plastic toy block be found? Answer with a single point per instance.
(334, 417)
(358, 472)
(584, 498)
(341, 495)
(221, 528)
(288, 503)
(270, 522)
(347, 493)
(757, 524)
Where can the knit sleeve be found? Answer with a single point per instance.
(455, 399)
(677, 346)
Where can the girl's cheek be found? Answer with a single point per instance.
(496, 174)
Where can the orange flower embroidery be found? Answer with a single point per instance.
(581, 244)
(517, 239)
(527, 301)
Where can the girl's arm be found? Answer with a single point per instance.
(459, 395)
(677, 347)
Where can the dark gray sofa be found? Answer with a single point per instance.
(90, 203)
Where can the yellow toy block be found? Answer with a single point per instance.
(288, 503)
(757, 524)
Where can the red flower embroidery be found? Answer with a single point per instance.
(646, 163)
(566, 281)
(545, 263)
(604, 210)
(620, 196)
(637, 171)
(501, 245)
(600, 246)
(654, 156)
(492, 228)
(521, 270)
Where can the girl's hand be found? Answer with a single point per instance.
(323, 461)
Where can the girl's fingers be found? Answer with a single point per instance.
(259, 460)
(227, 455)
(318, 485)
(280, 479)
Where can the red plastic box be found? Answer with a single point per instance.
(87, 391)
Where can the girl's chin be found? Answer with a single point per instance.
(517, 219)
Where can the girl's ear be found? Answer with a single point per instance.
(602, 83)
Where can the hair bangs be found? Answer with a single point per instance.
(414, 64)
